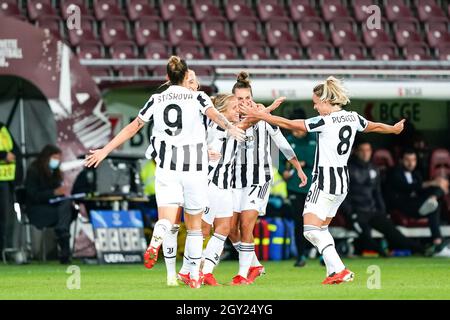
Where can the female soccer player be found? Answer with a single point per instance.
(178, 144)
(251, 182)
(336, 130)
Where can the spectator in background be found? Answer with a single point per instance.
(8, 152)
(423, 154)
(416, 198)
(304, 146)
(44, 181)
(364, 206)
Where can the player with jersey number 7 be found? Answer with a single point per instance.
(178, 144)
(336, 130)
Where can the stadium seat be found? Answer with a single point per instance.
(440, 163)
(397, 10)
(385, 51)
(214, 31)
(190, 51)
(247, 32)
(206, 10)
(270, 10)
(66, 8)
(138, 9)
(171, 9)
(85, 33)
(352, 51)
(321, 51)
(332, 9)
(382, 159)
(114, 30)
(428, 10)
(416, 52)
(106, 9)
(180, 30)
(124, 50)
(301, 10)
(156, 50)
(236, 9)
(222, 52)
(39, 8)
(311, 36)
(51, 24)
(288, 52)
(405, 37)
(102, 71)
(375, 37)
(343, 36)
(360, 9)
(402, 219)
(10, 8)
(279, 33)
(254, 52)
(148, 29)
(438, 38)
(203, 71)
(90, 50)
(443, 52)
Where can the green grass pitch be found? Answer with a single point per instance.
(401, 278)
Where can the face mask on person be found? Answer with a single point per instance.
(54, 163)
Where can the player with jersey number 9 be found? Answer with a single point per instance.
(336, 130)
(178, 144)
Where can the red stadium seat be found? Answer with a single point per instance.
(416, 52)
(99, 71)
(343, 36)
(382, 159)
(407, 37)
(203, 71)
(124, 50)
(106, 9)
(302, 10)
(334, 9)
(309, 37)
(180, 30)
(271, 10)
(397, 10)
(206, 10)
(352, 51)
(50, 24)
(156, 50)
(375, 37)
(385, 51)
(222, 52)
(213, 32)
(247, 32)
(360, 9)
(438, 38)
(254, 52)
(430, 11)
(67, 10)
(39, 8)
(171, 9)
(10, 8)
(443, 52)
(85, 33)
(90, 50)
(138, 9)
(114, 30)
(190, 51)
(279, 33)
(402, 219)
(148, 29)
(440, 163)
(236, 9)
(321, 51)
(288, 52)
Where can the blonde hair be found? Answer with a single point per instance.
(221, 101)
(333, 91)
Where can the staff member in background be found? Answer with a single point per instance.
(304, 145)
(7, 177)
(44, 181)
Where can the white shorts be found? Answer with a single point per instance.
(220, 204)
(322, 204)
(254, 197)
(187, 189)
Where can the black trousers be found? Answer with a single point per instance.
(298, 202)
(363, 223)
(6, 211)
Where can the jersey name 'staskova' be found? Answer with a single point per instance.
(178, 141)
(336, 134)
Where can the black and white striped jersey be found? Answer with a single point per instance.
(220, 171)
(178, 140)
(336, 134)
(253, 160)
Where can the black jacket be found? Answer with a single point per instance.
(364, 190)
(38, 187)
(399, 190)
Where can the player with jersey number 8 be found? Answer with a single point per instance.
(336, 130)
(178, 144)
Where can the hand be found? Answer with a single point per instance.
(303, 178)
(287, 174)
(95, 158)
(61, 191)
(443, 184)
(251, 111)
(10, 157)
(398, 127)
(214, 155)
(236, 133)
(275, 104)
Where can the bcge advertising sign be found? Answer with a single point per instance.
(119, 236)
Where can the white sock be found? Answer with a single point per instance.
(329, 239)
(194, 246)
(186, 267)
(246, 252)
(212, 252)
(170, 250)
(162, 227)
(255, 261)
(236, 245)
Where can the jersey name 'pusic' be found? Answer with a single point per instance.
(346, 118)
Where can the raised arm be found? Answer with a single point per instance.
(96, 156)
(222, 122)
(379, 127)
(249, 122)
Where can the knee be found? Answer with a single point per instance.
(223, 230)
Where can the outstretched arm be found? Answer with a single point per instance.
(379, 127)
(222, 122)
(248, 122)
(96, 156)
